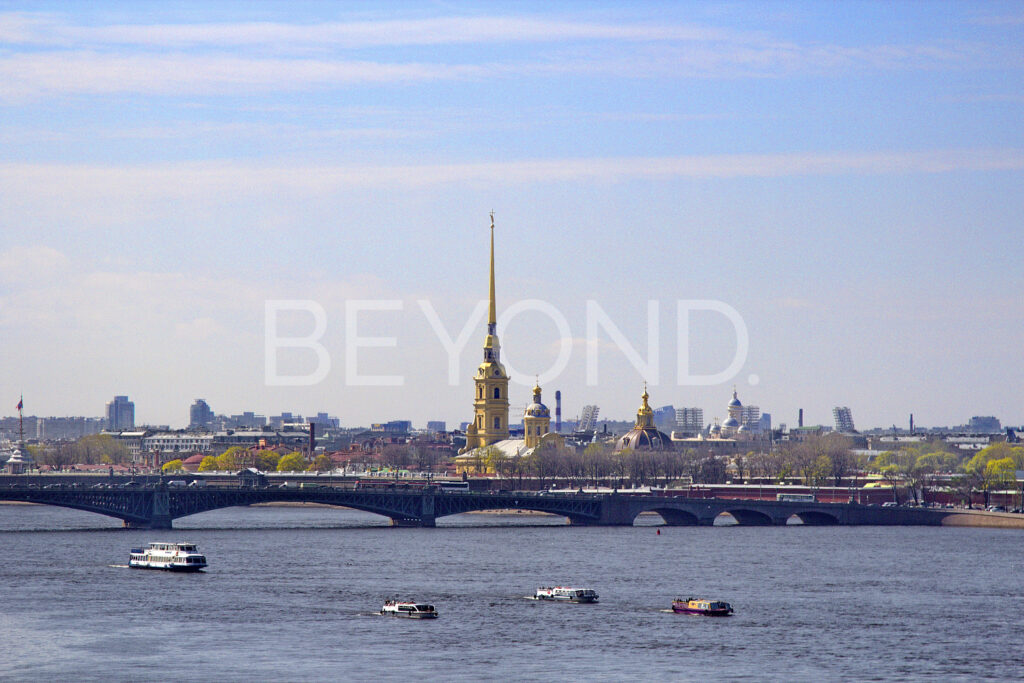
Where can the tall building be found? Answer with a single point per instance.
(247, 420)
(690, 421)
(68, 427)
(490, 404)
(120, 414)
(750, 418)
(665, 417)
(279, 421)
(984, 424)
(392, 426)
(324, 421)
(200, 416)
(844, 419)
(437, 426)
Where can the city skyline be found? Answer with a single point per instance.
(847, 179)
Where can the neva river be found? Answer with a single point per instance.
(292, 594)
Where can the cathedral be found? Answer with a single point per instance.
(644, 436)
(489, 427)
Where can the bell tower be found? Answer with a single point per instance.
(536, 419)
(490, 403)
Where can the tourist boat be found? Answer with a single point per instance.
(175, 557)
(707, 608)
(410, 610)
(566, 594)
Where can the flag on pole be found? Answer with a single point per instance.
(21, 402)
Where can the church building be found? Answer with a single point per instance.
(489, 428)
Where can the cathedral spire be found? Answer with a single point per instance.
(492, 317)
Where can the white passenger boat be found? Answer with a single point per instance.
(566, 594)
(175, 557)
(410, 610)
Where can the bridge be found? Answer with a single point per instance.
(156, 506)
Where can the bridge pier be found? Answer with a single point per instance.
(428, 522)
(155, 522)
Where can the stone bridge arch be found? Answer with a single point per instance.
(816, 518)
(674, 516)
(747, 517)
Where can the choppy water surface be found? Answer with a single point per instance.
(293, 594)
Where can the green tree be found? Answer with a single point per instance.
(322, 463)
(597, 461)
(939, 462)
(173, 466)
(233, 458)
(496, 461)
(266, 460)
(994, 475)
(208, 464)
(97, 448)
(396, 456)
(292, 462)
(1001, 450)
(544, 462)
(59, 456)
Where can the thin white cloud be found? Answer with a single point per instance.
(86, 183)
(1000, 20)
(25, 76)
(19, 264)
(101, 301)
(21, 28)
(212, 59)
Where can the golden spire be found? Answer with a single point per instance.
(492, 318)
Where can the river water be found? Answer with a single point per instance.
(292, 593)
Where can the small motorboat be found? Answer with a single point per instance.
(409, 610)
(707, 608)
(566, 594)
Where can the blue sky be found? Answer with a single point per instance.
(846, 176)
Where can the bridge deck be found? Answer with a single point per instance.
(157, 506)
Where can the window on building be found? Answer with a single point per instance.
(497, 423)
(497, 392)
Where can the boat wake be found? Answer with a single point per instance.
(118, 566)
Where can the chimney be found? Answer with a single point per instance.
(911, 424)
(800, 420)
(312, 439)
(558, 412)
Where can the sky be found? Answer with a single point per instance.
(285, 207)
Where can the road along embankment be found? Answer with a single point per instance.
(1000, 520)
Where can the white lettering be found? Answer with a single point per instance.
(272, 342)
